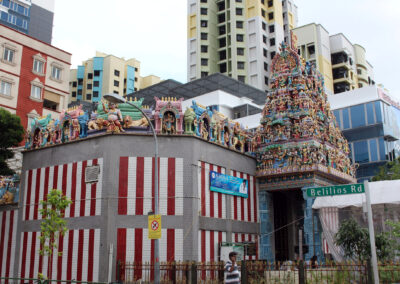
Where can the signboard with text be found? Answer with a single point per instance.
(335, 190)
(228, 184)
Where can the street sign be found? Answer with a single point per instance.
(335, 190)
(154, 227)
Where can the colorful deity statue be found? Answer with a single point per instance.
(114, 118)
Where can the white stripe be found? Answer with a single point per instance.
(163, 245)
(88, 187)
(224, 213)
(178, 244)
(78, 189)
(130, 245)
(132, 166)
(207, 190)
(96, 255)
(60, 177)
(147, 184)
(25, 195)
(179, 186)
(20, 254)
(74, 250)
(65, 255)
(28, 254)
(51, 177)
(199, 246)
(37, 255)
(54, 266)
(146, 246)
(208, 246)
(163, 186)
(41, 191)
(199, 180)
(85, 255)
(14, 243)
(6, 232)
(99, 188)
(68, 191)
(33, 189)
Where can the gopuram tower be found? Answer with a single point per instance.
(299, 145)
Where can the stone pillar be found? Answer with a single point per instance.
(267, 236)
(314, 243)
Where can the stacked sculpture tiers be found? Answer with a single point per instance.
(74, 124)
(299, 133)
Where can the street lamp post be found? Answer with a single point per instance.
(114, 98)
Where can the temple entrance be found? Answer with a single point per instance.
(288, 207)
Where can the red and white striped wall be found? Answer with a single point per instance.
(209, 245)
(330, 216)
(136, 186)
(79, 260)
(8, 231)
(70, 178)
(212, 204)
(245, 209)
(240, 238)
(133, 245)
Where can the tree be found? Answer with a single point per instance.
(395, 233)
(53, 225)
(389, 171)
(354, 240)
(11, 135)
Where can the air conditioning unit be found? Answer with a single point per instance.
(92, 174)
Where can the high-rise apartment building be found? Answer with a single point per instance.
(238, 38)
(342, 63)
(32, 17)
(105, 74)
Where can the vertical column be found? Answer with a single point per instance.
(267, 240)
(312, 230)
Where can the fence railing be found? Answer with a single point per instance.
(258, 272)
(18, 280)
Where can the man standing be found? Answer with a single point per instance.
(231, 269)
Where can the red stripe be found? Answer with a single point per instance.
(236, 237)
(55, 177)
(10, 241)
(59, 257)
(73, 190)
(171, 187)
(138, 251)
(170, 244)
(91, 256)
(203, 252)
(93, 189)
(219, 198)
(64, 182)
(37, 192)
(248, 199)
(40, 269)
(121, 250)
(152, 258)
(139, 185)
(255, 199)
(249, 239)
(83, 190)
(3, 232)
(33, 253)
(80, 254)
(212, 244)
(211, 196)
(241, 203)
(123, 186)
(28, 195)
(24, 248)
(46, 183)
(70, 251)
(203, 189)
(235, 203)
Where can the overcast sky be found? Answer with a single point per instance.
(154, 32)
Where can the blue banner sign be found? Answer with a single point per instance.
(228, 184)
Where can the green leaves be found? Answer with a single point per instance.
(389, 171)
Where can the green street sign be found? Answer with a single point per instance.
(335, 190)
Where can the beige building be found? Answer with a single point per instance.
(342, 63)
(105, 74)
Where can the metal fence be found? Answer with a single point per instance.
(258, 272)
(18, 280)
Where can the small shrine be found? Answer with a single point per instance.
(168, 115)
(299, 145)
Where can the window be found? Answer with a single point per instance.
(90, 75)
(240, 65)
(271, 16)
(271, 29)
(239, 1)
(5, 88)
(360, 85)
(240, 51)
(266, 80)
(221, 18)
(265, 66)
(272, 41)
(95, 94)
(264, 26)
(222, 55)
(116, 73)
(265, 52)
(80, 93)
(222, 42)
(74, 84)
(116, 83)
(272, 54)
(136, 79)
(56, 72)
(370, 113)
(96, 73)
(203, 1)
(222, 30)
(239, 11)
(264, 39)
(262, 1)
(38, 66)
(242, 78)
(311, 49)
(271, 3)
(239, 38)
(89, 86)
(263, 12)
(359, 72)
(204, 74)
(74, 94)
(204, 48)
(204, 62)
(221, 6)
(373, 150)
(88, 97)
(204, 36)
(96, 83)
(203, 11)
(36, 92)
(80, 81)
(50, 105)
(222, 68)
(361, 152)
(378, 112)
(346, 118)
(8, 55)
(239, 24)
(203, 24)
(357, 116)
